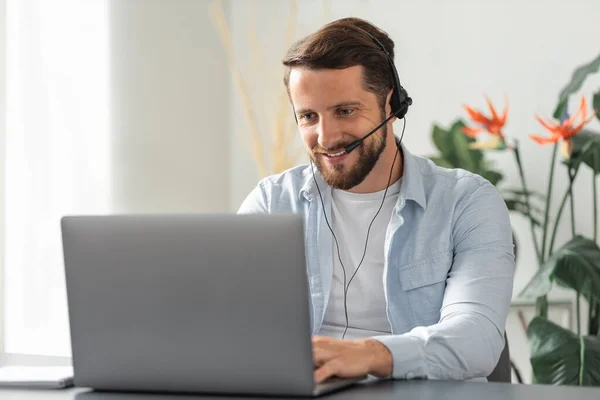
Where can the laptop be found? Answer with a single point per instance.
(203, 303)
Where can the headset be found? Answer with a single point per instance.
(399, 101)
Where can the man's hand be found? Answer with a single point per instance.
(350, 358)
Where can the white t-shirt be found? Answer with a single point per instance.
(351, 215)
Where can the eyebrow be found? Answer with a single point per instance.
(344, 104)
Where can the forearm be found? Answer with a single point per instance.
(462, 346)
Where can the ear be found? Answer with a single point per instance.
(388, 106)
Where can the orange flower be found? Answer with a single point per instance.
(492, 125)
(564, 130)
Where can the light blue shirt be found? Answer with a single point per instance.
(449, 265)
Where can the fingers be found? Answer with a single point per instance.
(321, 355)
(330, 344)
(324, 340)
(341, 367)
(326, 348)
(326, 371)
(322, 350)
(334, 357)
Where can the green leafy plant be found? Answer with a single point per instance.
(455, 150)
(558, 355)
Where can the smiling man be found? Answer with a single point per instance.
(410, 265)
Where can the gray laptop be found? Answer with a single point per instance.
(211, 303)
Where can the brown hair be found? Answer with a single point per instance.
(339, 45)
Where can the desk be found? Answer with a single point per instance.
(382, 390)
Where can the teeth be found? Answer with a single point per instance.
(336, 154)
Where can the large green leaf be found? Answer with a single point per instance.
(457, 144)
(515, 200)
(560, 108)
(578, 267)
(453, 145)
(560, 357)
(449, 153)
(518, 202)
(463, 153)
(439, 136)
(575, 265)
(586, 146)
(521, 192)
(579, 76)
(596, 103)
(521, 208)
(470, 159)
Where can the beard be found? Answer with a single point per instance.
(342, 177)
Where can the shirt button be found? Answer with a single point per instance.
(410, 375)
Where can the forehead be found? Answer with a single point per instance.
(313, 88)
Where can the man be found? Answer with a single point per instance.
(410, 265)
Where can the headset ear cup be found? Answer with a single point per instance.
(398, 105)
(403, 102)
(401, 112)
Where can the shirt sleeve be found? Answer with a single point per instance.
(256, 201)
(467, 341)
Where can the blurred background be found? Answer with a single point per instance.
(114, 106)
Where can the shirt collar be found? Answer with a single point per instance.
(411, 189)
(412, 184)
(309, 189)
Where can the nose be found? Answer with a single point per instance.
(330, 136)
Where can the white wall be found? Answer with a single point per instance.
(56, 157)
(170, 135)
(2, 136)
(169, 108)
(447, 54)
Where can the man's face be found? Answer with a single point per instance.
(333, 110)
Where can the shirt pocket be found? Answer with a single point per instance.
(424, 283)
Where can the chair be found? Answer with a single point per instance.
(502, 372)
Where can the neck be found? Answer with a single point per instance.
(380, 174)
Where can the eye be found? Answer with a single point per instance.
(344, 112)
(307, 116)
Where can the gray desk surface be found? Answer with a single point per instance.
(382, 390)
(378, 390)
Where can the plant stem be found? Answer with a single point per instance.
(541, 306)
(581, 359)
(596, 320)
(591, 310)
(595, 194)
(548, 196)
(578, 314)
(594, 310)
(526, 193)
(563, 202)
(557, 220)
(542, 301)
(571, 201)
